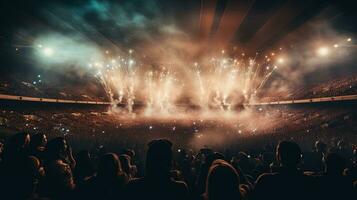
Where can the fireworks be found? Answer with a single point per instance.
(221, 81)
(217, 83)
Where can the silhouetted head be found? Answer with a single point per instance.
(1, 146)
(222, 181)
(320, 146)
(109, 166)
(125, 163)
(334, 164)
(130, 153)
(30, 174)
(56, 148)
(159, 158)
(267, 158)
(17, 146)
(38, 140)
(288, 154)
(341, 145)
(19, 141)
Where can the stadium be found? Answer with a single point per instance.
(179, 99)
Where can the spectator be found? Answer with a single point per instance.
(125, 162)
(109, 181)
(289, 182)
(332, 184)
(58, 149)
(222, 182)
(157, 183)
(38, 145)
(84, 167)
(59, 182)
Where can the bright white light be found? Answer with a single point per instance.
(336, 45)
(280, 60)
(48, 51)
(323, 51)
(349, 40)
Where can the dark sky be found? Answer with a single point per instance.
(119, 24)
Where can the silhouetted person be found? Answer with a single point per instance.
(84, 167)
(15, 153)
(38, 146)
(157, 183)
(28, 179)
(289, 182)
(351, 172)
(125, 162)
(58, 149)
(332, 184)
(59, 182)
(208, 157)
(264, 167)
(222, 182)
(313, 160)
(109, 181)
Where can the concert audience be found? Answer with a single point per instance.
(31, 168)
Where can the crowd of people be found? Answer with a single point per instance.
(33, 168)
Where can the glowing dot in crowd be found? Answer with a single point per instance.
(16, 49)
(322, 51)
(150, 127)
(39, 76)
(174, 128)
(222, 51)
(196, 64)
(39, 46)
(335, 45)
(130, 51)
(107, 52)
(349, 40)
(273, 54)
(280, 60)
(34, 82)
(48, 51)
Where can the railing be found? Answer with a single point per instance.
(301, 101)
(49, 100)
(293, 101)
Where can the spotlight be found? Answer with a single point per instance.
(323, 51)
(335, 45)
(48, 51)
(349, 40)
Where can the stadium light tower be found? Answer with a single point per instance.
(48, 51)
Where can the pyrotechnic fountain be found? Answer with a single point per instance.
(220, 83)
